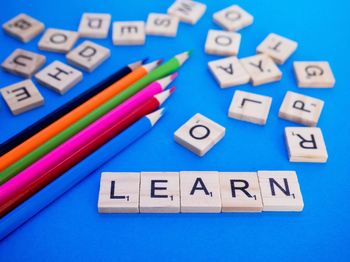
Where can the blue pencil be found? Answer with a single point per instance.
(76, 174)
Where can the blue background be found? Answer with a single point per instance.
(71, 229)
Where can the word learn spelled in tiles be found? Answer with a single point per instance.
(162, 25)
(22, 96)
(129, 33)
(23, 27)
(187, 11)
(306, 144)
(228, 72)
(88, 56)
(314, 74)
(59, 77)
(222, 43)
(233, 18)
(55, 40)
(199, 134)
(94, 25)
(199, 192)
(23, 63)
(250, 107)
(301, 109)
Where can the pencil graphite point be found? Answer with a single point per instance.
(172, 89)
(183, 57)
(155, 116)
(152, 65)
(135, 65)
(163, 96)
(165, 81)
(145, 60)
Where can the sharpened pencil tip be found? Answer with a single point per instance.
(163, 96)
(183, 57)
(165, 81)
(160, 61)
(152, 65)
(155, 116)
(172, 89)
(145, 60)
(189, 52)
(174, 75)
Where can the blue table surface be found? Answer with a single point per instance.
(71, 229)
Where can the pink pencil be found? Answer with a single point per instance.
(14, 185)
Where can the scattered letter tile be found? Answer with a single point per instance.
(277, 47)
(306, 144)
(233, 18)
(261, 69)
(280, 191)
(250, 107)
(129, 33)
(200, 192)
(199, 134)
(55, 40)
(162, 25)
(222, 43)
(94, 25)
(59, 77)
(119, 193)
(23, 63)
(228, 72)
(160, 192)
(187, 11)
(301, 109)
(22, 96)
(88, 55)
(314, 74)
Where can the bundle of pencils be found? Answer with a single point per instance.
(40, 155)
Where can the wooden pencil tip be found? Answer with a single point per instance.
(172, 89)
(145, 60)
(155, 116)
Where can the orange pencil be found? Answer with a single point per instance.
(73, 116)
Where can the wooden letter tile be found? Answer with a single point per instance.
(222, 43)
(306, 144)
(228, 72)
(301, 109)
(187, 11)
(277, 47)
(88, 55)
(55, 40)
(233, 18)
(250, 107)
(23, 27)
(280, 191)
(261, 69)
(94, 25)
(23, 63)
(160, 192)
(240, 192)
(199, 134)
(162, 25)
(59, 77)
(22, 96)
(314, 74)
(119, 193)
(129, 33)
(200, 192)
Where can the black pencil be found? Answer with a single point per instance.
(64, 109)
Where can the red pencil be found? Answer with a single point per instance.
(50, 175)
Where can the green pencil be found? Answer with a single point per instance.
(163, 70)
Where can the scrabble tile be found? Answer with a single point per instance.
(187, 11)
(301, 109)
(94, 25)
(199, 134)
(23, 63)
(261, 69)
(306, 144)
(60, 41)
(280, 191)
(277, 47)
(200, 192)
(222, 43)
(250, 107)
(240, 192)
(314, 74)
(233, 18)
(129, 33)
(88, 56)
(59, 77)
(119, 193)
(23, 27)
(228, 72)
(22, 96)
(162, 25)
(160, 192)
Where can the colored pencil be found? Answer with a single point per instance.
(73, 176)
(45, 170)
(169, 67)
(67, 107)
(72, 117)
